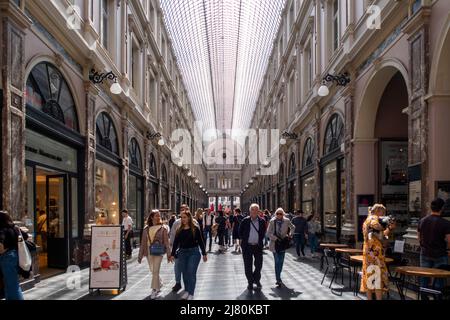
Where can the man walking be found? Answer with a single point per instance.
(434, 236)
(127, 224)
(251, 232)
(300, 233)
(208, 221)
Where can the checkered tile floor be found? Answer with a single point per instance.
(221, 278)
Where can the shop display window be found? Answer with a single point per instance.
(106, 194)
(329, 195)
(308, 191)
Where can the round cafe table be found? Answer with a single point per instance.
(418, 272)
(350, 251)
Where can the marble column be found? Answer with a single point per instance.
(14, 23)
(417, 30)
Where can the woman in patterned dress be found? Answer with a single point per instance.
(374, 271)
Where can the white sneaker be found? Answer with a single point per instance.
(190, 297)
(154, 294)
(185, 295)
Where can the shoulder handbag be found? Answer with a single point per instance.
(281, 244)
(25, 260)
(156, 248)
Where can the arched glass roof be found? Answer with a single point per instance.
(223, 48)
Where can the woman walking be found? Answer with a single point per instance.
(9, 257)
(199, 219)
(237, 219)
(373, 254)
(155, 242)
(221, 229)
(313, 230)
(280, 228)
(188, 240)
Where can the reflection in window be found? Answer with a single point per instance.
(106, 133)
(48, 92)
(308, 191)
(329, 195)
(106, 194)
(334, 135)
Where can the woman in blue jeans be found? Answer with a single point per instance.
(280, 227)
(9, 259)
(313, 230)
(188, 240)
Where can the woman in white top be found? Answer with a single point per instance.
(155, 242)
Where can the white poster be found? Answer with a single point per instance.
(105, 257)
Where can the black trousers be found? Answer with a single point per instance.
(128, 249)
(252, 253)
(222, 237)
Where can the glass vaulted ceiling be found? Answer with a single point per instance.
(223, 48)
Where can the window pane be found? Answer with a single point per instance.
(329, 195)
(27, 220)
(74, 207)
(132, 206)
(106, 194)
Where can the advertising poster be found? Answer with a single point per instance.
(105, 270)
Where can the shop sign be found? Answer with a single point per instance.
(46, 151)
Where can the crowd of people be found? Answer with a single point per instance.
(187, 239)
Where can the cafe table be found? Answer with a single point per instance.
(412, 271)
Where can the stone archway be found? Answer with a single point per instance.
(381, 140)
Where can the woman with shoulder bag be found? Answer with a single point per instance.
(154, 244)
(9, 257)
(188, 240)
(280, 228)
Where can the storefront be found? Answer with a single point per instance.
(153, 185)
(107, 175)
(164, 188)
(308, 179)
(333, 180)
(292, 185)
(280, 188)
(135, 204)
(54, 161)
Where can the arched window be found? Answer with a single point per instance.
(106, 133)
(308, 153)
(292, 165)
(163, 174)
(134, 153)
(334, 134)
(281, 174)
(48, 92)
(153, 171)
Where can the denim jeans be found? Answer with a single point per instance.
(313, 242)
(207, 233)
(177, 271)
(279, 261)
(427, 262)
(189, 259)
(9, 265)
(299, 239)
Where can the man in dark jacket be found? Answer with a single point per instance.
(251, 232)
